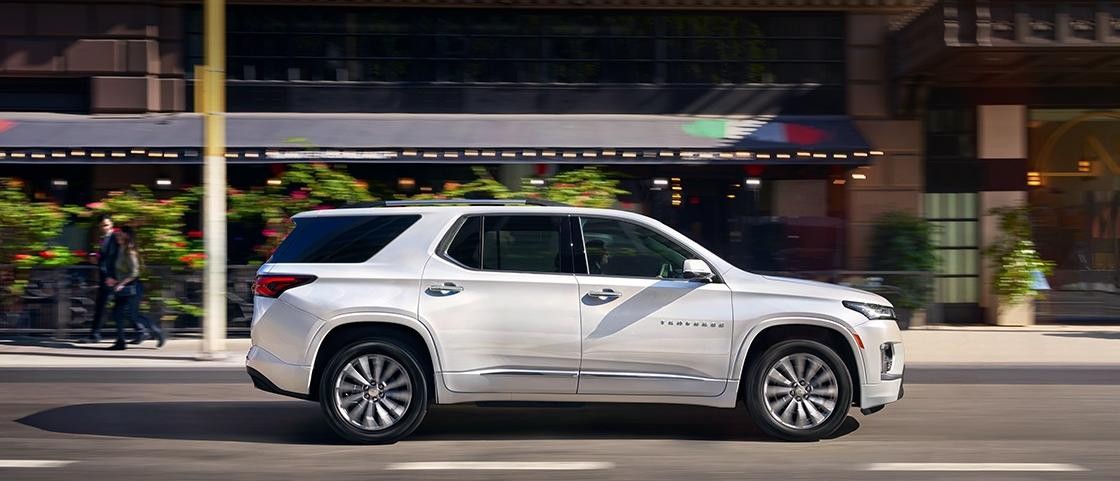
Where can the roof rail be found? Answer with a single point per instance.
(431, 202)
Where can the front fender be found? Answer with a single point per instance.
(740, 358)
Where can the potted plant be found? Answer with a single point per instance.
(1016, 267)
(903, 242)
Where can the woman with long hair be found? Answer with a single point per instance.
(129, 291)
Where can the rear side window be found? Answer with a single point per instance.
(522, 243)
(466, 248)
(518, 243)
(341, 239)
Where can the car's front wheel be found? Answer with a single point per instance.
(799, 390)
(373, 392)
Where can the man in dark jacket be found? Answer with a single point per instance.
(106, 267)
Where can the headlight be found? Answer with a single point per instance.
(871, 311)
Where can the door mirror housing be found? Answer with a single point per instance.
(697, 270)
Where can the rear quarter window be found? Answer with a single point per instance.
(341, 239)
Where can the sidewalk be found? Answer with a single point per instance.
(1047, 344)
(928, 346)
(42, 352)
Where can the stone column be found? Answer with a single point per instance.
(1001, 146)
(895, 180)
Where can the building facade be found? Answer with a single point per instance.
(789, 126)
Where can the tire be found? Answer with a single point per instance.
(789, 415)
(381, 416)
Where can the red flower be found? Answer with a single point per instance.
(186, 259)
(269, 233)
(81, 253)
(95, 205)
(299, 195)
(194, 234)
(22, 257)
(46, 254)
(180, 244)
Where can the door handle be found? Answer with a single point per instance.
(605, 294)
(446, 289)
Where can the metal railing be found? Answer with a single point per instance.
(61, 300)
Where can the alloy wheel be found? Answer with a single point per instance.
(801, 391)
(373, 392)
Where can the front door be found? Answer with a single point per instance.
(646, 329)
(500, 297)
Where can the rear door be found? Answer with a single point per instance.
(646, 329)
(501, 296)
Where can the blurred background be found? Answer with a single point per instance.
(858, 142)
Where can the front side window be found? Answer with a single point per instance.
(618, 248)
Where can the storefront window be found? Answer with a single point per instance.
(1076, 210)
(526, 46)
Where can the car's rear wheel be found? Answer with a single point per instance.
(373, 392)
(798, 390)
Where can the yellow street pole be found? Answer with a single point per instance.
(214, 178)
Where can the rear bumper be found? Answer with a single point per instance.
(271, 374)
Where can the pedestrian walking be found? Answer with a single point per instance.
(106, 276)
(128, 293)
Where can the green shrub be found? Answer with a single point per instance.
(903, 242)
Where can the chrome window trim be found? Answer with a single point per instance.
(445, 243)
(647, 375)
(522, 372)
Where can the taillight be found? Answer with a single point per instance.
(274, 285)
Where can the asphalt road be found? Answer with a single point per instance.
(996, 423)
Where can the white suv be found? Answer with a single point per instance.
(378, 312)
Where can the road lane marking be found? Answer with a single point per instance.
(32, 463)
(500, 466)
(973, 467)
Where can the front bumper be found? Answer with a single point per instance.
(271, 374)
(880, 386)
(878, 394)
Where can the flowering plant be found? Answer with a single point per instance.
(301, 187)
(28, 236)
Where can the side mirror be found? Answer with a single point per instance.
(696, 269)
